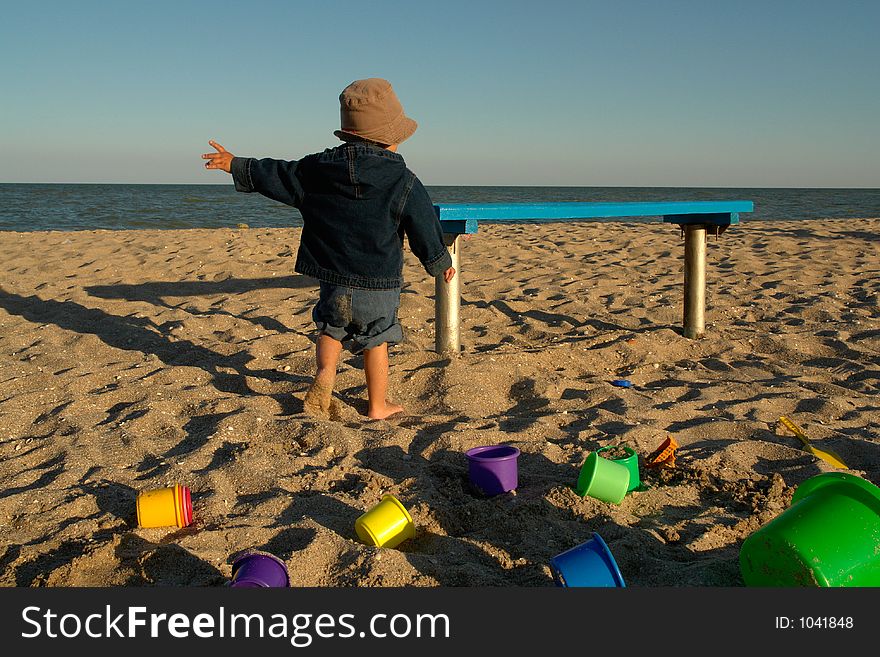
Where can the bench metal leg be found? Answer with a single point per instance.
(447, 302)
(694, 280)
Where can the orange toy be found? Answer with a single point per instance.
(664, 455)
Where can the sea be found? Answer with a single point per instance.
(69, 207)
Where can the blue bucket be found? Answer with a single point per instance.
(588, 564)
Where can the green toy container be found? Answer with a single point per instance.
(631, 461)
(603, 479)
(829, 536)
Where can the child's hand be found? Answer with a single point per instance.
(219, 160)
(448, 274)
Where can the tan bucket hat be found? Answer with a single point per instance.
(369, 109)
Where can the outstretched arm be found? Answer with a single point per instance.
(273, 178)
(222, 159)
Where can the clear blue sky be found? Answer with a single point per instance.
(681, 93)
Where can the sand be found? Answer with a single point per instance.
(133, 360)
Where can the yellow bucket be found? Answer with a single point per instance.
(388, 524)
(165, 507)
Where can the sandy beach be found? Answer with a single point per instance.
(133, 360)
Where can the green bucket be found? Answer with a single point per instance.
(631, 461)
(603, 479)
(829, 536)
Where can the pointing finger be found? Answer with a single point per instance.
(219, 148)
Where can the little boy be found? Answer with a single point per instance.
(357, 200)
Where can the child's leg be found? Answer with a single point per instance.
(376, 372)
(320, 395)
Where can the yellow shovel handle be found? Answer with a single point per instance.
(795, 429)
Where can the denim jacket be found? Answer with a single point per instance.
(357, 201)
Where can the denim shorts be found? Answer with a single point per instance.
(360, 319)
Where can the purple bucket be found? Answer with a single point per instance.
(259, 570)
(492, 468)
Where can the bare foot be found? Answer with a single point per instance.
(385, 411)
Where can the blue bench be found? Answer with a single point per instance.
(695, 219)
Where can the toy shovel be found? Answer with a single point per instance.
(824, 454)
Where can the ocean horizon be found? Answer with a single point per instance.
(123, 206)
